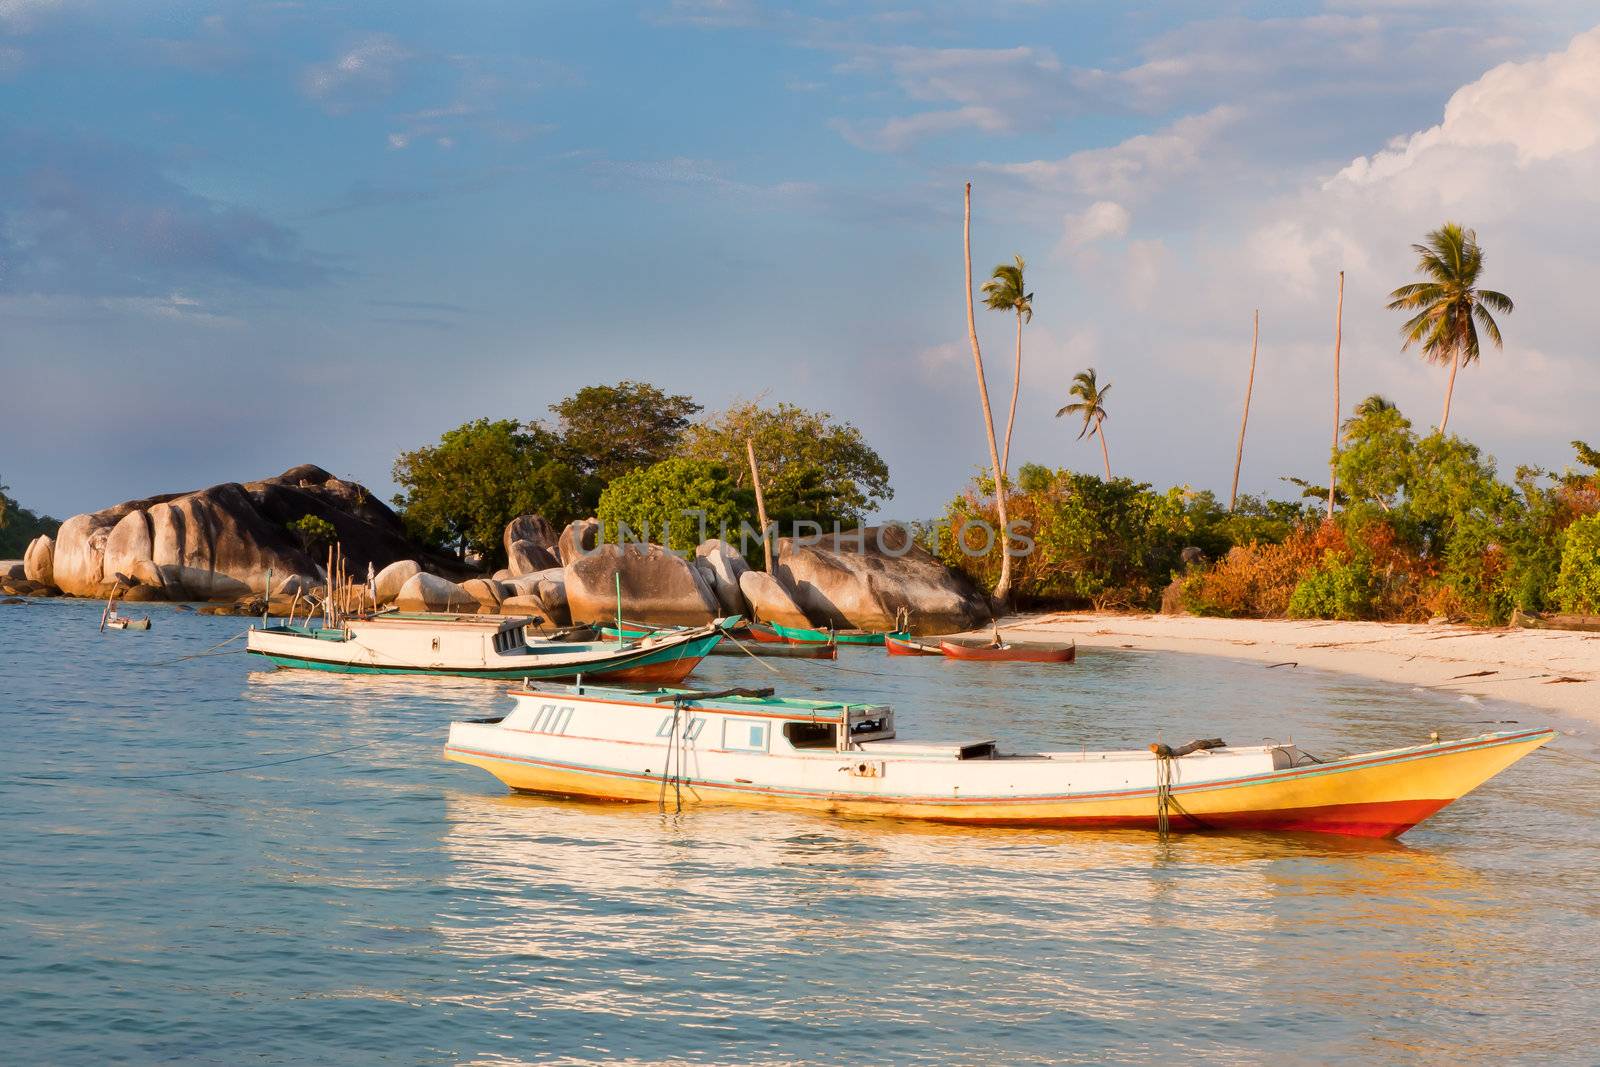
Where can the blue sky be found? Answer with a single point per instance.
(238, 237)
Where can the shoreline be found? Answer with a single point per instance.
(1551, 670)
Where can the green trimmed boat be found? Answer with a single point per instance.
(802, 636)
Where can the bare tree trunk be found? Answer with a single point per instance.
(1011, 419)
(1002, 588)
(1338, 337)
(761, 503)
(1249, 387)
(1100, 432)
(1449, 390)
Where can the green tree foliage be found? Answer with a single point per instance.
(677, 502)
(812, 468)
(1336, 589)
(1034, 477)
(313, 533)
(460, 493)
(1578, 583)
(610, 430)
(19, 526)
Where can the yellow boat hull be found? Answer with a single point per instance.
(1377, 795)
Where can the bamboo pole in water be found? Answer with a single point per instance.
(1238, 457)
(1338, 335)
(761, 503)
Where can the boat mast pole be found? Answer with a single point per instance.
(761, 503)
(621, 637)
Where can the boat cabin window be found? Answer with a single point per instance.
(811, 734)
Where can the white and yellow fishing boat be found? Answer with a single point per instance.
(750, 748)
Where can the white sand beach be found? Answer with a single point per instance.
(1551, 669)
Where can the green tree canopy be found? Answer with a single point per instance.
(664, 504)
(19, 526)
(812, 468)
(460, 493)
(609, 430)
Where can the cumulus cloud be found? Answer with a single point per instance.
(367, 71)
(1101, 219)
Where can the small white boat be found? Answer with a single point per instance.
(480, 646)
(110, 620)
(751, 748)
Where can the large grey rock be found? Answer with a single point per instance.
(429, 592)
(393, 578)
(13, 568)
(579, 536)
(219, 543)
(39, 560)
(658, 587)
(485, 592)
(769, 601)
(531, 544)
(869, 578)
(725, 566)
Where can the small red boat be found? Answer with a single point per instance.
(1004, 652)
(903, 644)
(760, 631)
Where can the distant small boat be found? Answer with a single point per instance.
(1005, 652)
(900, 643)
(122, 622)
(804, 635)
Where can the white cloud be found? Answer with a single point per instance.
(1127, 168)
(1101, 219)
(1540, 110)
(368, 70)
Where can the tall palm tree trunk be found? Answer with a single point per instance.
(1100, 432)
(1338, 336)
(1249, 387)
(1449, 389)
(1016, 387)
(1002, 588)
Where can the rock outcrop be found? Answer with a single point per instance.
(219, 543)
(389, 581)
(429, 592)
(869, 578)
(580, 536)
(658, 587)
(725, 566)
(769, 601)
(531, 545)
(39, 560)
(13, 568)
(485, 592)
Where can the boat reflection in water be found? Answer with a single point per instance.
(682, 931)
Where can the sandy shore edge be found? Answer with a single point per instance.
(1553, 670)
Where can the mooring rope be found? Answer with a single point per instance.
(204, 652)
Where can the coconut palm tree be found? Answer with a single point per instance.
(1091, 406)
(1002, 588)
(1374, 406)
(1004, 291)
(1449, 306)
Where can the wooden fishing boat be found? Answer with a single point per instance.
(481, 646)
(734, 643)
(900, 643)
(122, 622)
(804, 635)
(1005, 652)
(748, 747)
(762, 650)
(760, 631)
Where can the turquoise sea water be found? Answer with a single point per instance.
(384, 906)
